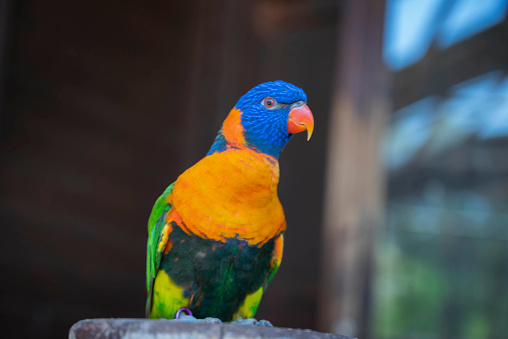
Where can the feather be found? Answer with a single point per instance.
(216, 234)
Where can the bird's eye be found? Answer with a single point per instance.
(269, 102)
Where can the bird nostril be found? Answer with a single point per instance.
(298, 104)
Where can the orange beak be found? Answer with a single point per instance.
(301, 119)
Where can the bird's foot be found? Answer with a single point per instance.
(184, 314)
(213, 320)
(187, 318)
(192, 319)
(252, 322)
(264, 323)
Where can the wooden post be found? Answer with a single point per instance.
(171, 329)
(354, 180)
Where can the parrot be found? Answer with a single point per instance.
(216, 234)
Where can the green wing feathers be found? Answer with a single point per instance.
(155, 225)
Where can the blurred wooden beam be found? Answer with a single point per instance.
(442, 68)
(354, 180)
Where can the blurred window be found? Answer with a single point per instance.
(442, 258)
(412, 25)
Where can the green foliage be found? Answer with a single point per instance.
(409, 293)
(437, 282)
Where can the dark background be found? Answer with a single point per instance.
(396, 209)
(104, 105)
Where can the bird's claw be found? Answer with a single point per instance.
(184, 314)
(190, 318)
(264, 323)
(248, 322)
(252, 322)
(187, 318)
(213, 320)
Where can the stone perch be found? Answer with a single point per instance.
(169, 329)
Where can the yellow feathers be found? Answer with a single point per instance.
(167, 297)
(249, 306)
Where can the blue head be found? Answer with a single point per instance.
(269, 114)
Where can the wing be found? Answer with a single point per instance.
(158, 235)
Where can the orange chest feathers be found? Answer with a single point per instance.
(231, 194)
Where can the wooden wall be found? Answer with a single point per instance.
(355, 177)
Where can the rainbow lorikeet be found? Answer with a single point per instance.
(216, 233)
